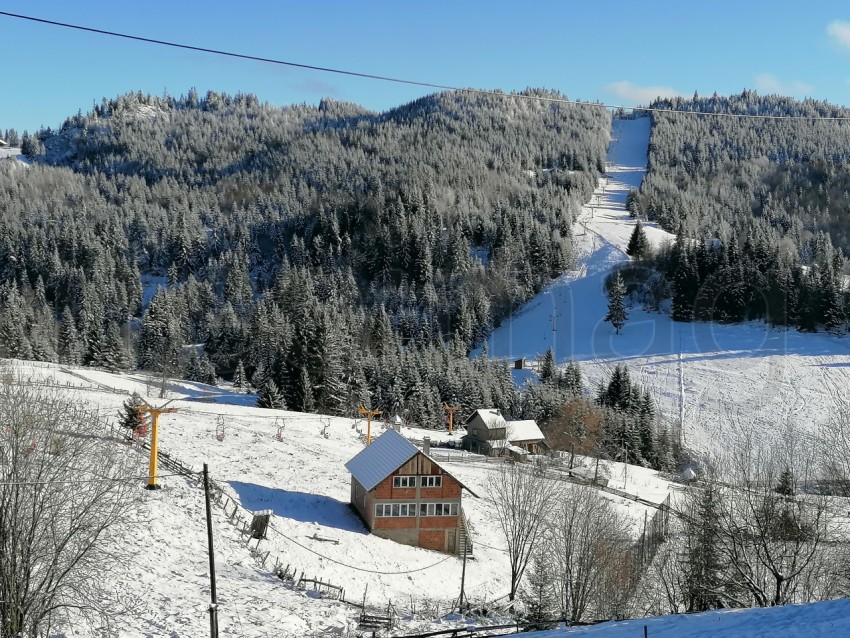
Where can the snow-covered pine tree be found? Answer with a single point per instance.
(69, 340)
(270, 397)
(114, 354)
(128, 416)
(785, 485)
(194, 369)
(304, 399)
(173, 275)
(240, 381)
(638, 246)
(94, 345)
(617, 314)
(646, 425)
(833, 310)
(548, 370)
(701, 562)
(664, 458)
(539, 596)
(208, 375)
(572, 379)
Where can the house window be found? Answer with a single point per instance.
(395, 510)
(404, 481)
(438, 509)
(432, 481)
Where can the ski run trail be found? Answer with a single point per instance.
(733, 376)
(726, 381)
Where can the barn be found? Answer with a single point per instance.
(402, 494)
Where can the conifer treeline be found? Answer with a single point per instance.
(764, 205)
(725, 282)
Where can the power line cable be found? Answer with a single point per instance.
(359, 569)
(430, 85)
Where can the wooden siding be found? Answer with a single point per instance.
(430, 532)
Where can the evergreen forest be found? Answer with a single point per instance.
(759, 206)
(324, 255)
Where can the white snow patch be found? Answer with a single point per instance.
(815, 620)
(14, 154)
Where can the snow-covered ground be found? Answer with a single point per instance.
(13, 153)
(816, 620)
(733, 377)
(301, 477)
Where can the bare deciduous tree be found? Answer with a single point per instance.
(60, 502)
(589, 540)
(834, 444)
(759, 543)
(577, 428)
(769, 540)
(523, 500)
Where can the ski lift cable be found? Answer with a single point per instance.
(398, 80)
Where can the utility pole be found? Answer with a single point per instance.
(462, 578)
(369, 414)
(451, 410)
(213, 596)
(625, 467)
(154, 412)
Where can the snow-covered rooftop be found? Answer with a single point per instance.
(515, 430)
(523, 431)
(380, 459)
(491, 417)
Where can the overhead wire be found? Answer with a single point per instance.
(354, 567)
(411, 82)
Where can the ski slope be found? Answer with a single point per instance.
(733, 379)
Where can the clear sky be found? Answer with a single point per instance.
(622, 52)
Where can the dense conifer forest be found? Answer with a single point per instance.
(761, 209)
(325, 255)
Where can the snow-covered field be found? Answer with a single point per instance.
(733, 377)
(302, 479)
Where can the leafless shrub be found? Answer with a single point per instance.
(62, 503)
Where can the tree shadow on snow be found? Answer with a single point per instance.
(299, 506)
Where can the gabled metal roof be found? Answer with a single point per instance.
(377, 461)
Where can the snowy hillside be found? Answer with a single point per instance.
(13, 153)
(300, 476)
(733, 376)
(816, 620)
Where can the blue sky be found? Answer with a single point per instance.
(617, 52)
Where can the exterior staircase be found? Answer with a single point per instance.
(463, 539)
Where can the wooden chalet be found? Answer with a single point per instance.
(488, 433)
(402, 494)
